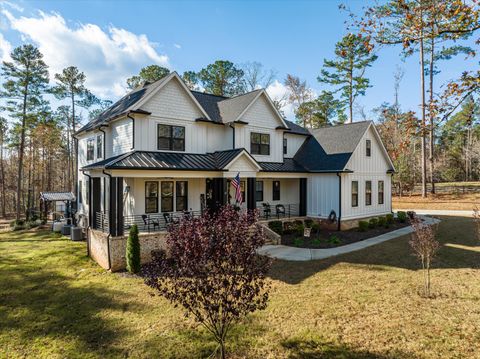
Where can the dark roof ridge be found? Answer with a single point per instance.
(243, 94)
(209, 94)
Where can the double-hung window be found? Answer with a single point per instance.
(259, 191)
(99, 146)
(368, 193)
(171, 138)
(260, 143)
(167, 196)
(285, 146)
(151, 197)
(380, 192)
(90, 149)
(354, 193)
(276, 191)
(181, 195)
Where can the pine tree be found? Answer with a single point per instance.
(347, 71)
(222, 78)
(71, 85)
(133, 250)
(26, 80)
(149, 73)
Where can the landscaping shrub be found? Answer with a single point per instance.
(17, 222)
(402, 216)
(300, 229)
(133, 250)
(276, 226)
(308, 223)
(18, 227)
(362, 226)
(382, 221)
(288, 227)
(389, 218)
(298, 242)
(334, 239)
(316, 242)
(316, 227)
(372, 223)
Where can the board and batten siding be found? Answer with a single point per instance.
(261, 118)
(294, 142)
(373, 168)
(122, 136)
(322, 195)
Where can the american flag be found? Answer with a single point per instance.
(238, 189)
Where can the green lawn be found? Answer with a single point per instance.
(56, 303)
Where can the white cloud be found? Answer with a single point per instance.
(177, 46)
(11, 5)
(5, 49)
(108, 57)
(279, 92)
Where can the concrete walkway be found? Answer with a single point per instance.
(440, 212)
(306, 254)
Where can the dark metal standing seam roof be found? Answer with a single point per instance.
(288, 165)
(168, 161)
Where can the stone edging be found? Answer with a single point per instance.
(308, 254)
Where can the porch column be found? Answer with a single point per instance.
(302, 211)
(95, 193)
(112, 207)
(116, 206)
(251, 202)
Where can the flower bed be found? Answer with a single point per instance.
(292, 233)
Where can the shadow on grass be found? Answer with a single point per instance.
(394, 253)
(41, 301)
(317, 349)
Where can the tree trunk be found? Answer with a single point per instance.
(2, 173)
(422, 127)
(432, 119)
(21, 148)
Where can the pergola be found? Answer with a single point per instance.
(53, 197)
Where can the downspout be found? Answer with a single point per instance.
(108, 237)
(339, 199)
(89, 210)
(133, 130)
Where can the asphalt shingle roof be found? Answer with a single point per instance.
(57, 196)
(209, 103)
(330, 148)
(297, 129)
(232, 107)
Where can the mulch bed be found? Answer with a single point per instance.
(325, 238)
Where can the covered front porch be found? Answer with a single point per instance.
(152, 202)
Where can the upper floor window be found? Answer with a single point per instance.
(259, 143)
(368, 148)
(99, 146)
(171, 138)
(368, 193)
(90, 149)
(285, 147)
(354, 193)
(380, 192)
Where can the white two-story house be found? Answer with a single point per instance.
(163, 150)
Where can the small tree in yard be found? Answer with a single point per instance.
(133, 250)
(213, 270)
(476, 218)
(425, 246)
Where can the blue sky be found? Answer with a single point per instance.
(111, 40)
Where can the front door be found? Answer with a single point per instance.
(215, 193)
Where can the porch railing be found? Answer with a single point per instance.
(279, 211)
(101, 219)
